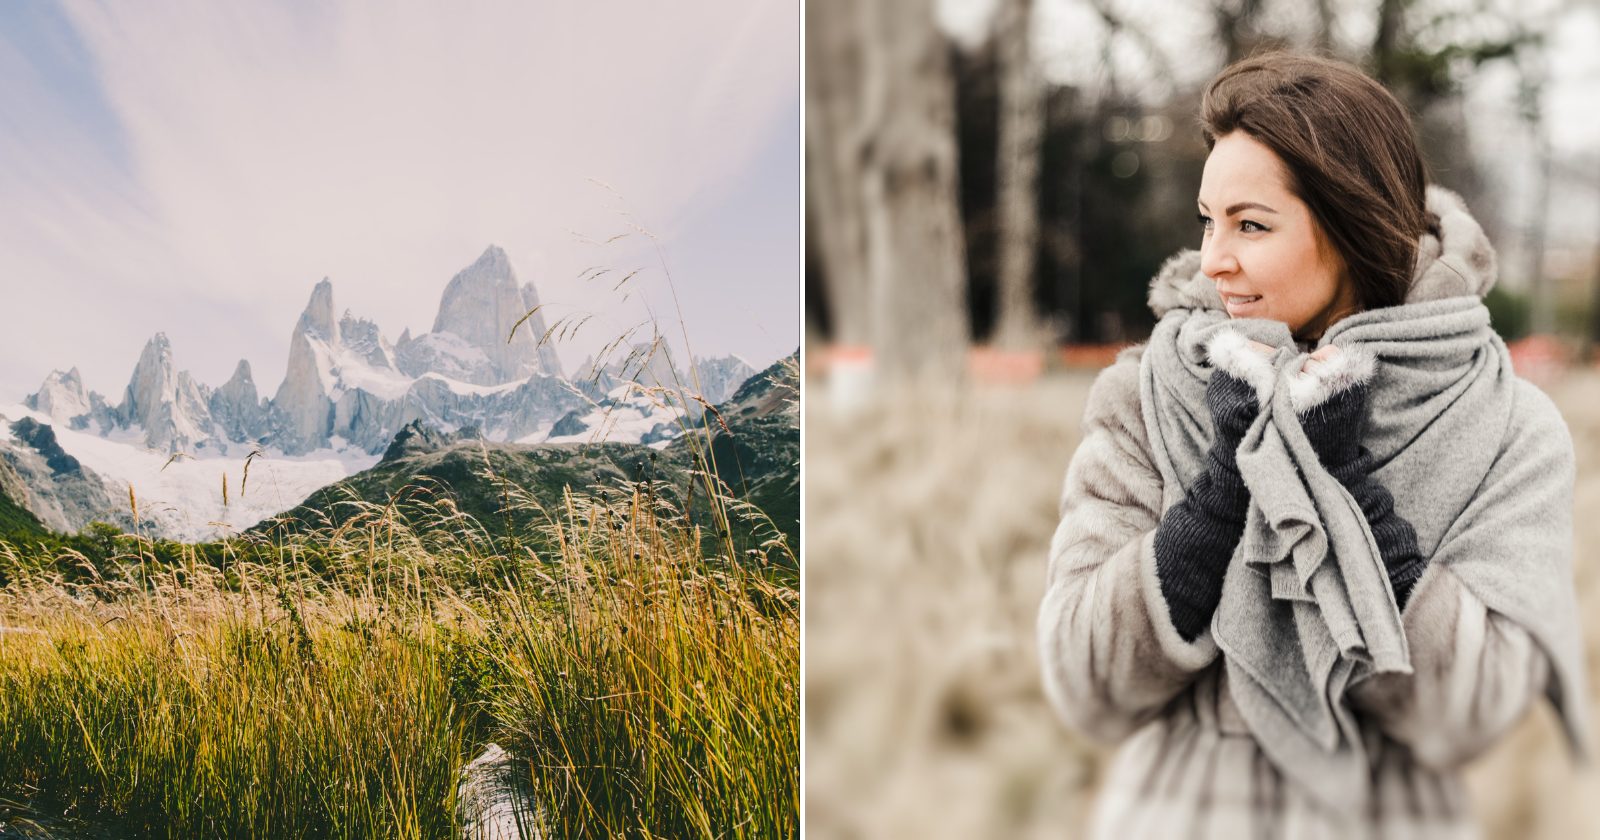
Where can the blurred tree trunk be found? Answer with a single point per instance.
(1530, 94)
(1021, 128)
(1541, 289)
(881, 169)
(1386, 42)
(835, 218)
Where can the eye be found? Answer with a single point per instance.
(1245, 226)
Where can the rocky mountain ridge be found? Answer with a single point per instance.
(346, 385)
(756, 455)
(348, 396)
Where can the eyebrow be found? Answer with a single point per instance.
(1243, 205)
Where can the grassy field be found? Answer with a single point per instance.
(928, 519)
(334, 683)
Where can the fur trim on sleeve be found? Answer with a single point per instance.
(1353, 366)
(1230, 351)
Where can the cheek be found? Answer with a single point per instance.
(1293, 276)
(1274, 270)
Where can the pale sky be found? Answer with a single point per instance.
(196, 167)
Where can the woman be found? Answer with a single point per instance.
(1315, 545)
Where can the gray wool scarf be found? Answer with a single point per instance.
(1306, 609)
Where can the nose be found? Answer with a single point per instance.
(1216, 257)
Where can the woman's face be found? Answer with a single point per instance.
(1261, 245)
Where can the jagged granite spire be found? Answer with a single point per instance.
(61, 396)
(237, 408)
(317, 319)
(719, 377)
(170, 407)
(481, 305)
(302, 410)
(362, 337)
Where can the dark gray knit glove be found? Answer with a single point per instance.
(1197, 536)
(1334, 428)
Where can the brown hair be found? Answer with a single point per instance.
(1351, 156)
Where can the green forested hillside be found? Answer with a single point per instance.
(507, 488)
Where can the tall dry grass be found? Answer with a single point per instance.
(187, 713)
(662, 699)
(333, 682)
(928, 521)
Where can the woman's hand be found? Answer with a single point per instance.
(1197, 536)
(1313, 364)
(1334, 428)
(1319, 359)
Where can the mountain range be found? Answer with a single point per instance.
(754, 450)
(346, 393)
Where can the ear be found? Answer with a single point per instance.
(1352, 366)
(1228, 350)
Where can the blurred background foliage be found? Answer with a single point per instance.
(1063, 136)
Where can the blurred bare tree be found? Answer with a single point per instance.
(1528, 94)
(1021, 133)
(881, 176)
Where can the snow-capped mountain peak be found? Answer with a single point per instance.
(61, 396)
(169, 406)
(719, 377)
(362, 338)
(714, 379)
(236, 408)
(317, 319)
(480, 306)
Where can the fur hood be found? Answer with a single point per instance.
(1459, 261)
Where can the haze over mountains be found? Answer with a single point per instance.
(346, 392)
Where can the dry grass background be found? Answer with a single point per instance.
(928, 516)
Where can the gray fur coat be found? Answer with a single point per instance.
(1116, 669)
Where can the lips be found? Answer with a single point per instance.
(1240, 303)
